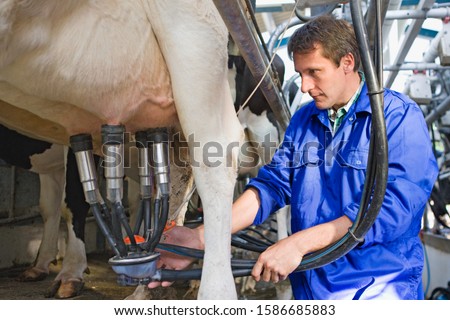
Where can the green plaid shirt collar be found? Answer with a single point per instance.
(336, 117)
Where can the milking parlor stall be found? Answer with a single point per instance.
(109, 110)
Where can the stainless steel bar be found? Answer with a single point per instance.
(234, 15)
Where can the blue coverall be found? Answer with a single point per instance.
(322, 176)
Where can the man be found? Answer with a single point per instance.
(320, 171)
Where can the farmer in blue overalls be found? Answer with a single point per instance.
(320, 170)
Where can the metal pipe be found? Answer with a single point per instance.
(316, 3)
(438, 112)
(410, 36)
(433, 50)
(82, 147)
(146, 184)
(316, 11)
(279, 31)
(387, 25)
(159, 158)
(430, 55)
(416, 66)
(113, 150)
(145, 172)
(438, 13)
(158, 140)
(238, 25)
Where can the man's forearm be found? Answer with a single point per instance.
(322, 235)
(244, 210)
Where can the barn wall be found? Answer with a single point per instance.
(19, 192)
(24, 239)
(21, 226)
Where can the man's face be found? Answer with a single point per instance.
(321, 79)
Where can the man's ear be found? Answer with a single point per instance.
(348, 62)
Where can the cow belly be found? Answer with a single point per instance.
(113, 73)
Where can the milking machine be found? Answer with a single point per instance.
(134, 257)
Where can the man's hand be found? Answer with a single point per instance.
(280, 259)
(277, 261)
(182, 236)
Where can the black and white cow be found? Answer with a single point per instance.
(61, 194)
(256, 116)
(262, 132)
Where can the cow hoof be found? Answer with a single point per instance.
(69, 289)
(192, 292)
(65, 290)
(31, 275)
(53, 289)
(140, 293)
(158, 293)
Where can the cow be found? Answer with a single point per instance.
(262, 131)
(61, 195)
(69, 67)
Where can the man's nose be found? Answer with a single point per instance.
(307, 84)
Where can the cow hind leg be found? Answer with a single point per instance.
(51, 185)
(69, 281)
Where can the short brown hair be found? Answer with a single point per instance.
(336, 37)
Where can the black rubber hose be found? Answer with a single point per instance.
(155, 217)
(120, 251)
(379, 42)
(242, 244)
(143, 215)
(193, 274)
(263, 236)
(439, 293)
(139, 217)
(377, 166)
(329, 10)
(119, 211)
(188, 252)
(199, 254)
(378, 133)
(147, 216)
(151, 245)
(253, 240)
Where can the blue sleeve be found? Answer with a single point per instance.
(412, 172)
(273, 181)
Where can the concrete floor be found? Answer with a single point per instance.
(100, 284)
(23, 240)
